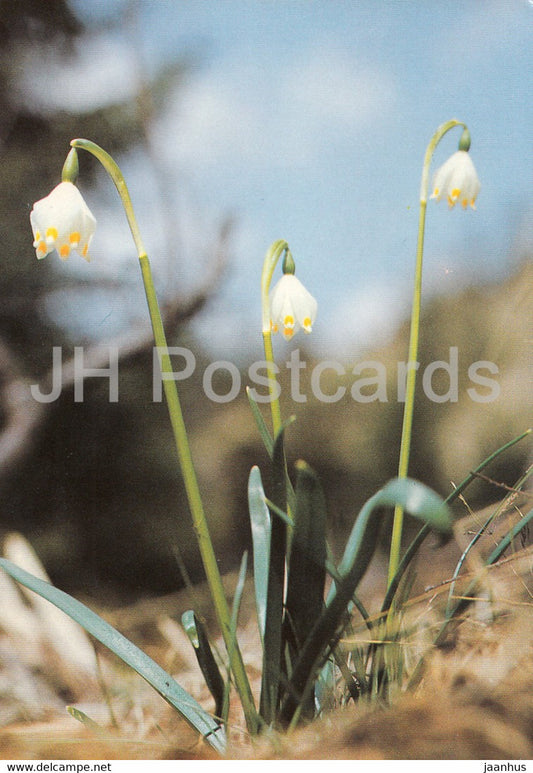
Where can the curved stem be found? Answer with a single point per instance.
(116, 175)
(276, 250)
(181, 440)
(407, 424)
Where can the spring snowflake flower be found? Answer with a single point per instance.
(291, 307)
(457, 180)
(62, 221)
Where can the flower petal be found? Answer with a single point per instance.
(62, 221)
(292, 307)
(457, 180)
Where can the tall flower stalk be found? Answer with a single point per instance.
(454, 180)
(275, 251)
(288, 307)
(181, 440)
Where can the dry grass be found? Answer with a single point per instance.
(475, 700)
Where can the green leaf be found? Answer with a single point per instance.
(188, 621)
(307, 566)
(195, 630)
(237, 597)
(502, 546)
(307, 572)
(497, 553)
(261, 424)
(233, 643)
(268, 441)
(415, 498)
(277, 511)
(260, 524)
(162, 682)
(425, 530)
(470, 593)
(275, 590)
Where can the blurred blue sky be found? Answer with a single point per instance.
(308, 120)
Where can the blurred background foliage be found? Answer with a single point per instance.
(94, 485)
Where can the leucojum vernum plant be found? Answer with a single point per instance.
(306, 602)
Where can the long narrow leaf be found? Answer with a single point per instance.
(497, 553)
(235, 609)
(425, 530)
(260, 524)
(306, 573)
(307, 566)
(500, 549)
(237, 597)
(470, 593)
(519, 485)
(269, 442)
(261, 424)
(195, 630)
(162, 682)
(276, 581)
(413, 497)
(277, 511)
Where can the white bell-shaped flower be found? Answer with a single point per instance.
(62, 221)
(457, 180)
(292, 307)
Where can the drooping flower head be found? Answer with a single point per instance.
(292, 307)
(62, 221)
(457, 178)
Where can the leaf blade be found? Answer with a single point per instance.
(306, 574)
(307, 562)
(195, 630)
(147, 668)
(266, 437)
(261, 531)
(273, 639)
(415, 498)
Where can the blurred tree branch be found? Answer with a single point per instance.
(33, 144)
(24, 416)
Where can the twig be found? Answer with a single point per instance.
(502, 485)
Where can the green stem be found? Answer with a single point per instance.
(181, 440)
(273, 661)
(407, 424)
(274, 401)
(276, 250)
(116, 175)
